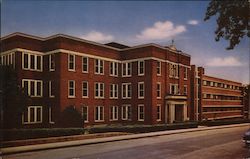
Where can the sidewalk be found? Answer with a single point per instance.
(19, 149)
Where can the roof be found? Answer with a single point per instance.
(117, 45)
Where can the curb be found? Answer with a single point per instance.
(28, 148)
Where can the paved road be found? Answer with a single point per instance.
(220, 143)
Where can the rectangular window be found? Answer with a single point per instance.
(141, 67)
(113, 69)
(71, 62)
(38, 62)
(158, 90)
(113, 91)
(33, 115)
(173, 70)
(52, 62)
(31, 62)
(113, 113)
(51, 89)
(126, 90)
(85, 91)
(99, 113)
(158, 68)
(71, 89)
(185, 73)
(51, 119)
(99, 90)
(99, 66)
(185, 90)
(158, 113)
(140, 112)
(85, 64)
(33, 88)
(126, 69)
(140, 90)
(85, 114)
(174, 89)
(126, 112)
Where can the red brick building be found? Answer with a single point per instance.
(215, 98)
(108, 84)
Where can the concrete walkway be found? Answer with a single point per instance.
(19, 149)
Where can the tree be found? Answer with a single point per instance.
(71, 117)
(233, 20)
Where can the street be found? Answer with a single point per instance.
(223, 143)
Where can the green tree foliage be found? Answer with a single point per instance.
(233, 20)
(71, 117)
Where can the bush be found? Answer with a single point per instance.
(223, 122)
(70, 118)
(22, 134)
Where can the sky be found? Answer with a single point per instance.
(133, 23)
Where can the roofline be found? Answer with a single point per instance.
(224, 79)
(90, 42)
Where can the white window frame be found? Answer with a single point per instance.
(74, 62)
(176, 87)
(99, 90)
(139, 68)
(35, 62)
(50, 62)
(158, 106)
(35, 87)
(127, 107)
(87, 89)
(158, 83)
(125, 96)
(158, 67)
(185, 73)
(113, 113)
(87, 113)
(127, 64)
(85, 71)
(113, 91)
(185, 93)
(141, 83)
(50, 116)
(139, 112)
(98, 65)
(99, 115)
(50, 90)
(74, 89)
(113, 69)
(35, 115)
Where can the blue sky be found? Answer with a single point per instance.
(133, 23)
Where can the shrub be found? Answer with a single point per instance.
(71, 117)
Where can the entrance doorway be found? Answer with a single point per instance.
(179, 112)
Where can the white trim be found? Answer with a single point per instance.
(87, 113)
(224, 117)
(158, 119)
(99, 66)
(185, 73)
(127, 107)
(139, 112)
(185, 93)
(50, 90)
(87, 89)
(74, 63)
(50, 116)
(35, 87)
(113, 113)
(99, 90)
(35, 62)
(50, 62)
(35, 115)
(139, 67)
(99, 114)
(115, 70)
(126, 95)
(138, 88)
(127, 64)
(158, 74)
(158, 83)
(87, 64)
(74, 89)
(176, 87)
(113, 90)
(218, 106)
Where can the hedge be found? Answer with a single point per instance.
(223, 122)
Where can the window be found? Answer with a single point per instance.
(140, 112)
(33, 88)
(32, 62)
(85, 92)
(204, 83)
(185, 73)
(158, 90)
(99, 66)
(51, 90)
(85, 64)
(185, 90)
(141, 67)
(99, 113)
(126, 69)
(51, 119)
(113, 69)
(85, 114)
(71, 62)
(99, 90)
(126, 91)
(126, 112)
(52, 62)
(158, 113)
(173, 70)
(113, 91)
(158, 68)
(140, 90)
(174, 89)
(71, 88)
(32, 115)
(113, 113)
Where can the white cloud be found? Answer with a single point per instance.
(98, 37)
(193, 22)
(221, 62)
(161, 30)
